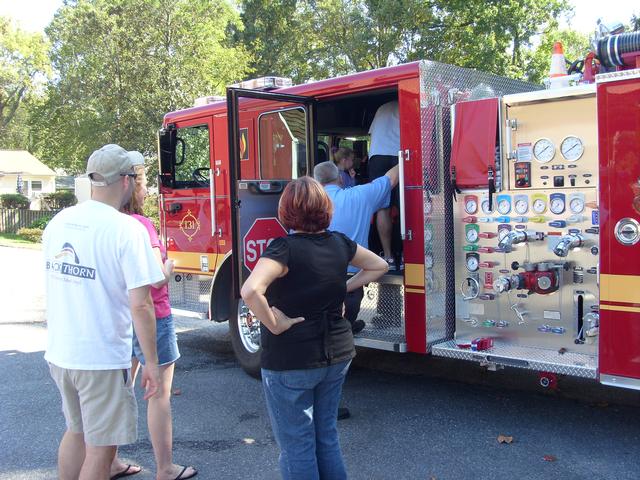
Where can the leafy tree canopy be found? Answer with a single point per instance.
(318, 38)
(23, 66)
(121, 64)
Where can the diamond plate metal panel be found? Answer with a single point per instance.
(574, 364)
(441, 86)
(382, 310)
(190, 292)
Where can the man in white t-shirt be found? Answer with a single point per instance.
(383, 155)
(99, 266)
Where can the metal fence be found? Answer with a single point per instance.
(13, 219)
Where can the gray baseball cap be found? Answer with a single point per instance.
(107, 164)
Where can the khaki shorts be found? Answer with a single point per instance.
(99, 403)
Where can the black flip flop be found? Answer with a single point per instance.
(184, 469)
(126, 472)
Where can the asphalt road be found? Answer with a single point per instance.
(412, 418)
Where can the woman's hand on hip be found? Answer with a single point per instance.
(283, 323)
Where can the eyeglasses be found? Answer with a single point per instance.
(131, 175)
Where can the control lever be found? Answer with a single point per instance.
(492, 186)
(518, 313)
(568, 242)
(518, 236)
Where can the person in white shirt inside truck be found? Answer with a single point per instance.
(99, 266)
(383, 155)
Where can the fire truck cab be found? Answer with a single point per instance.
(514, 242)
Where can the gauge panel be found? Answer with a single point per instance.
(557, 203)
(539, 203)
(473, 262)
(521, 204)
(472, 233)
(544, 150)
(470, 204)
(503, 203)
(503, 230)
(576, 202)
(485, 206)
(572, 148)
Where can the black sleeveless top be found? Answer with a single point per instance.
(313, 288)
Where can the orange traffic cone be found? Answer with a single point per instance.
(558, 67)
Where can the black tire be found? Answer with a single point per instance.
(248, 359)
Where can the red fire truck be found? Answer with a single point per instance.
(518, 215)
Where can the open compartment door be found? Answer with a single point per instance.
(473, 150)
(619, 210)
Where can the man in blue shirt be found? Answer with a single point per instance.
(353, 209)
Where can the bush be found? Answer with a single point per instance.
(150, 209)
(58, 200)
(42, 222)
(14, 200)
(31, 234)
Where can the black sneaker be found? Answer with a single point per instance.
(358, 326)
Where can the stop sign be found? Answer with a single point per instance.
(260, 234)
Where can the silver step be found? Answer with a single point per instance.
(382, 310)
(189, 294)
(531, 358)
(368, 342)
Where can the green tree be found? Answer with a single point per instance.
(490, 35)
(122, 64)
(323, 38)
(280, 37)
(23, 66)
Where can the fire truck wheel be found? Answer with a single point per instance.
(245, 339)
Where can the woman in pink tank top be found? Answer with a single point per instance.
(159, 409)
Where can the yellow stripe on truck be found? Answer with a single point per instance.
(414, 274)
(619, 308)
(192, 262)
(619, 288)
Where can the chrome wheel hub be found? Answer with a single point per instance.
(249, 328)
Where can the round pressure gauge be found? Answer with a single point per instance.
(471, 206)
(472, 235)
(504, 206)
(539, 205)
(572, 148)
(576, 205)
(557, 206)
(485, 206)
(472, 263)
(544, 283)
(544, 150)
(521, 206)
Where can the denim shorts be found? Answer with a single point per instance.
(166, 342)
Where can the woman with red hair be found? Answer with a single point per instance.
(297, 290)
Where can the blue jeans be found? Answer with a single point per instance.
(303, 406)
(166, 342)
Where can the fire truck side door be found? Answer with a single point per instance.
(286, 145)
